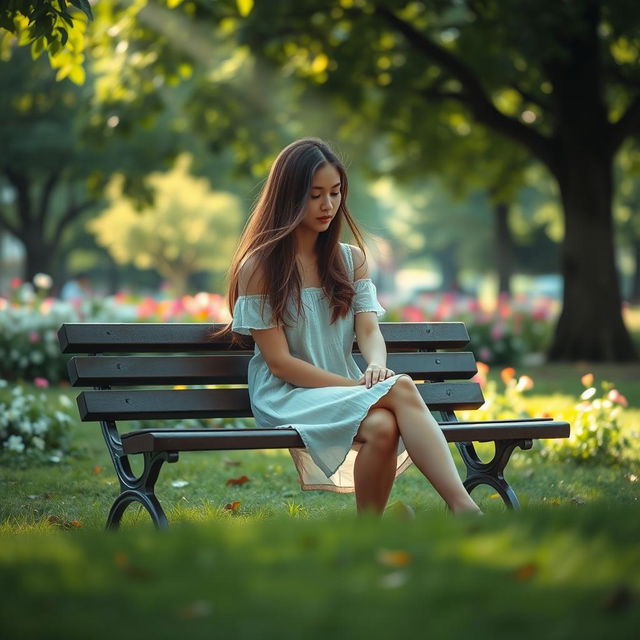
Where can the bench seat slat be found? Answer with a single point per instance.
(229, 439)
(232, 368)
(151, 337)
(233, 403)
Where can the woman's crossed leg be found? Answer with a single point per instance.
(405, 414)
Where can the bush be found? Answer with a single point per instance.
(596, 431)
(31, 425)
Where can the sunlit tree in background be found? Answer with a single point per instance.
(188, 228)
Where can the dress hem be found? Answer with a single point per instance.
(326, 470)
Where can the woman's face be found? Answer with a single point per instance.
(324, 199)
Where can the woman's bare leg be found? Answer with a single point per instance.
(425, 443)
(375, 467)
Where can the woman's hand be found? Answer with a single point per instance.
(374, 373)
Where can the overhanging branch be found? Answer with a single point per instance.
(473, 96)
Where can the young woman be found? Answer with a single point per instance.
(301, 294)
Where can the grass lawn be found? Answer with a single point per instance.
(290, 563)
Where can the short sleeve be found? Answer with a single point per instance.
(248, 313)
(366, 298)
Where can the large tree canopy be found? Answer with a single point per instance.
(559, 79)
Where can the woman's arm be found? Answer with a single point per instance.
(368, 334)
(275, 349)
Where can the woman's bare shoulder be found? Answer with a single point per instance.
(359, 262)
(251, 280)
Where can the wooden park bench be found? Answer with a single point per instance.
(184, 355)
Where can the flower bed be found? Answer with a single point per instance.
(33, 425)
(29, 322)
(596, 436)
(516, 330)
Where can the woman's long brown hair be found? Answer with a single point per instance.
(268, 238)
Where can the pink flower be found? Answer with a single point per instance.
(497, 331)
(484, 353)
(34, 337)
(16, 282)
(615, 396)
(481, 376)
(41, 383)
(473, 305)
(412, 314)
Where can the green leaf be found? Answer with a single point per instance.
(77, 75)
(37, 48)
(84, 6)
(64, 35)
(244, 7)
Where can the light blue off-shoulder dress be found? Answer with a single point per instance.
(327, 418)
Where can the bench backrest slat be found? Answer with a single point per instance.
(232, 368)
(148, 337)
(233, 403)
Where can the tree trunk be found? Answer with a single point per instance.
(634, 294)
(448, 263)
(590, 326)
(38, 253)
(504, 247)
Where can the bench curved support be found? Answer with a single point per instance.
(135, 488)
(148, 501)
(491, 473)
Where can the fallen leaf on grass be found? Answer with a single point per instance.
(236, 481)
(96, 469)
(525, 572)
(578, 500)
(64, 524)
(232, 506)
(178, 484)
(231, 463)
(393, 558)
(632, 478)
(494, 496)
(122, 561)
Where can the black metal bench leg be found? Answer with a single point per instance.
(149, 502)
(140, 488)
(491, 473)
(135, 488)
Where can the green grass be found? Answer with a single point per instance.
(289, 563)
(82, 486)
(553, 573)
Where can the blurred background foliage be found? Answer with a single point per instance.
(488, 144)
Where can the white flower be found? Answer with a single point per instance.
(64, 401)
(3, 383)
(62, 418)
(14, 443)
(38, 443)
(588, 393)
(40, 427)
(25, 428)
(42, 281)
